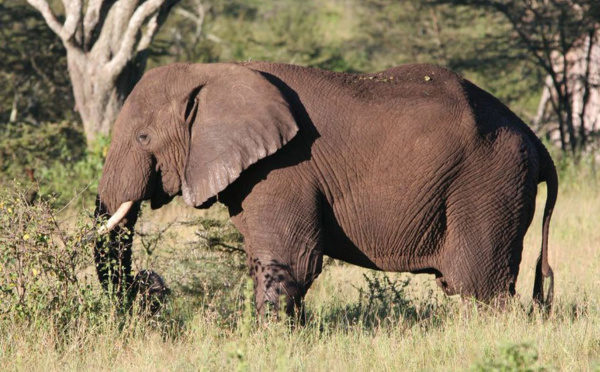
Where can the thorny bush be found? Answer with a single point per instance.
(43, 265)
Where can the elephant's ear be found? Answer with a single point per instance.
(236, 119)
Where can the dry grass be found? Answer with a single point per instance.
(209, 332)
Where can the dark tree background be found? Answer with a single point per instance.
(561, 37)
(67, 65)
(34, 86)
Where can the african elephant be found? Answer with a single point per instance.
(412, 169)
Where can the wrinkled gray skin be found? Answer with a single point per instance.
(411, 169)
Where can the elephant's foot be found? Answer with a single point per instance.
(276, 289)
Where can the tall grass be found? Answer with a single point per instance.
(357, 319)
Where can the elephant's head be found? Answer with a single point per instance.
(185, 129)
(191, 129)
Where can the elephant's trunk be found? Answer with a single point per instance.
(112, 255)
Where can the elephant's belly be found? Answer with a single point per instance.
(341, 248)
(388, 242)
(352, 254)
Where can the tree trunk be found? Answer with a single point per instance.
(107, 45)
(581, 104)
(98, 99)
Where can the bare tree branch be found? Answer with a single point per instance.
(90, 21)
(197, 17)
(41, 73)
(126, 49)
(43, 7)
(73, 9)
(187, 14)
(553, 33)
(149, 34)
(586, 86)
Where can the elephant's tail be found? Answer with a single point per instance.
(543, 269)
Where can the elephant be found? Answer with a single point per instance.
(412, 169)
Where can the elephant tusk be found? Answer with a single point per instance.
(116, 218)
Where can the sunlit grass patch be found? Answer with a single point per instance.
(357, 319)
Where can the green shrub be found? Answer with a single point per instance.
(512, 358)
(383, 299)
(48, 281)
(42, 265)
(24, 145)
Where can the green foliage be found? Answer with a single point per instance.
(551, 35)
(49, 294)
(383, 298)
(575, 175)
(47, 276)
(358, 36)
(341, 35)
(355, 321)
(41, 265)
(512, 358)
(208, 267)
(77, 181)
(64, 166)
(308, 33)
(383, 302)
(216, 234)
(246, 326)
(223, 263)
(24, 145)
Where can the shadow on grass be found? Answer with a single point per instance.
(382, 303)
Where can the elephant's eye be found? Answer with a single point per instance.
(143, 138)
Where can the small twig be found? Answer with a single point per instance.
(75, 198)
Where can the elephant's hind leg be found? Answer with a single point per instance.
(482, 266)
(481, 259)
(489, 213)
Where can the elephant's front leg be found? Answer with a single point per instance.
(284, 242)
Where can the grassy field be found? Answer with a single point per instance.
(358, 320)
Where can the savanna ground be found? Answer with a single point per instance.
(55, 317)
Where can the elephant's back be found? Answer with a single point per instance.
(412, 87)
(412, 82)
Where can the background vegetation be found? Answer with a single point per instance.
(54, 316)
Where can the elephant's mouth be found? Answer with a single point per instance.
(154, 191)
(158, 195)
(161, 195)
(158, 191)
